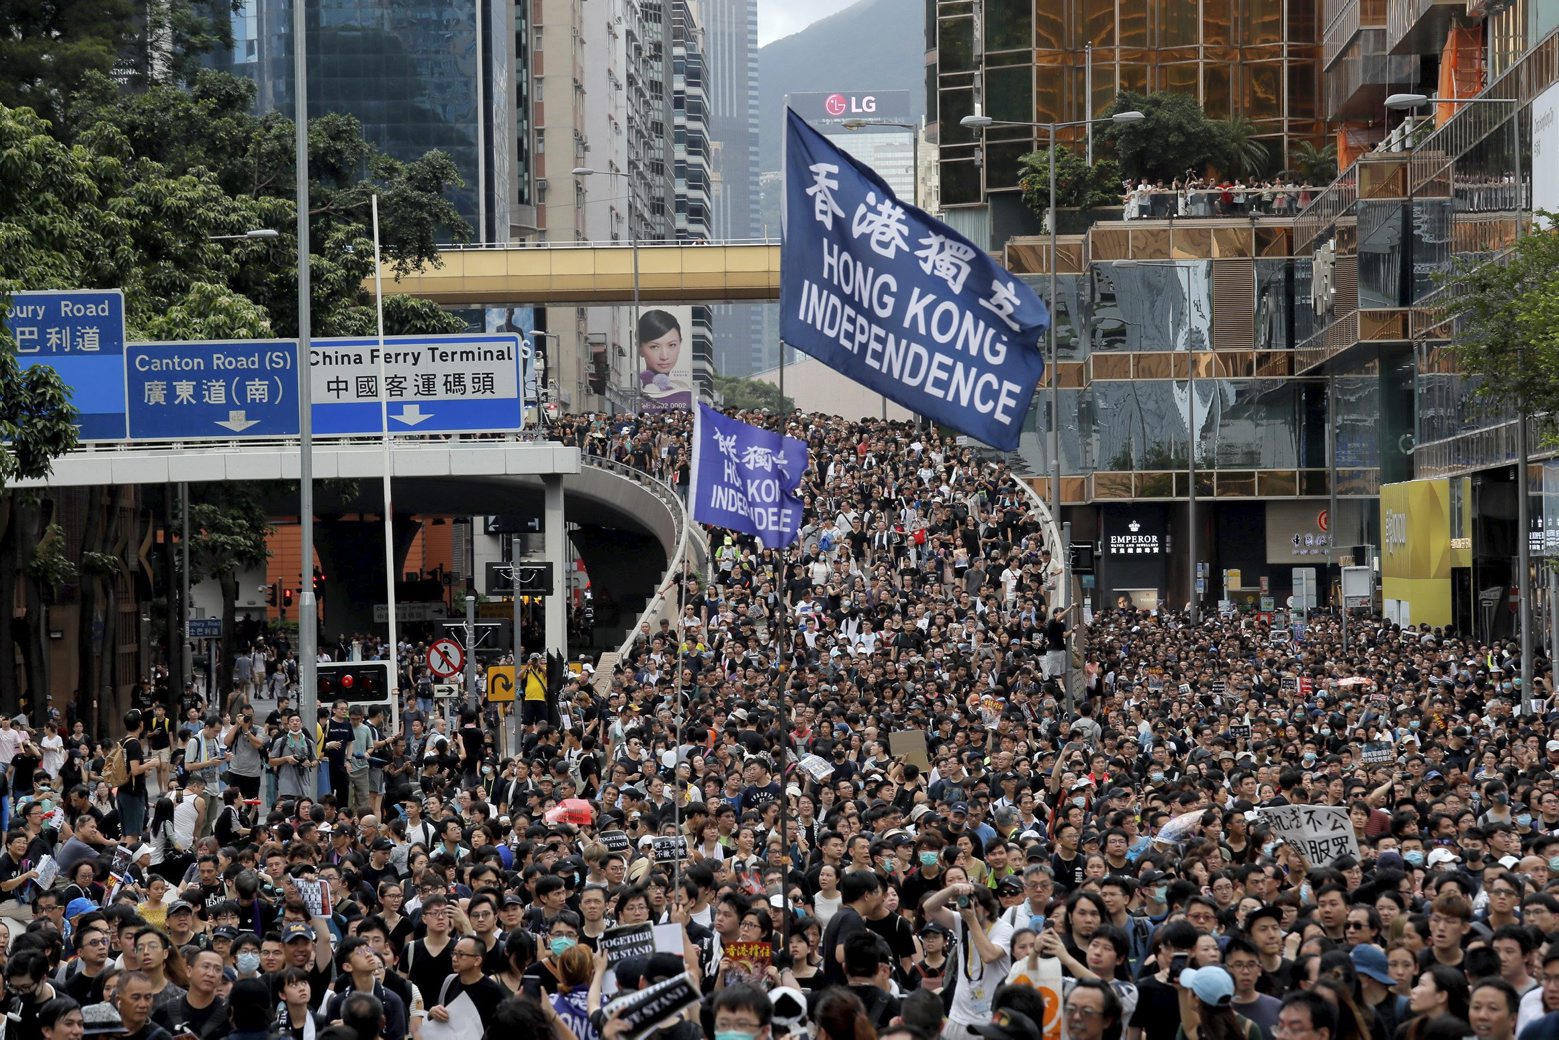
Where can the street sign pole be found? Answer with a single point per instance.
(308, 612)
(470, 649)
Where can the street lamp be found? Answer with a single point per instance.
(1523, 448)
(633, 241)
(982, 122)
(914, 162)
(254, 234)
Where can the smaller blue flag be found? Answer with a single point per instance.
(745, 477)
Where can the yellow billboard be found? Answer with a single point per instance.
(1424, 534)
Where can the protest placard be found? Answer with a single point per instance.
(817, 767)
(1320, 832)
(629, 940)
(1239, 732)
(315, 896)
(647, 1008)
(669, 850)
(909, 747)
(1378, 753)
(615, 841)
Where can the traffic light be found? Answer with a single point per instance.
(533, 579)
(273, 594)
(351, 681)
(319, 582)
(286, 599)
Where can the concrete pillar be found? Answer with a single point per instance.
(555, 535)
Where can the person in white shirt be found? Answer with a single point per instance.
(982, 942)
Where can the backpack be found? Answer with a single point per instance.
(116, 770)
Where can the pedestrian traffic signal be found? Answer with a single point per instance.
(358, 681)
(273, 594)
(286, 598)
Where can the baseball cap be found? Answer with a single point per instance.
(78, 907)
(382, 845)
(295, 930)
(101, 1020)
(1370, 960)
(226, 931)
(1212, 984)
(1441, 855)
(179, 906)
(960, 807)
(1012, 884)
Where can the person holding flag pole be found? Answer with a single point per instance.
(744, 478)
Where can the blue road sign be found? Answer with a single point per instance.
(212, 390)
(435, 384)
(81, 333)
(204, 628)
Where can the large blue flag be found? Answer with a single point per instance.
(899, 301)
(744, 478)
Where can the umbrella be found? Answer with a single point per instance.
(1180, 828)
(571, 810)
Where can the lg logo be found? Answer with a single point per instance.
(840, 104)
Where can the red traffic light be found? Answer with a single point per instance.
(347, 681)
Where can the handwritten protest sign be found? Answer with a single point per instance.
(1320, 832)
(669, 850)
(746, 962)
(629, 940)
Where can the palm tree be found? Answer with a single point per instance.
(1317, 165)
(1248, 154)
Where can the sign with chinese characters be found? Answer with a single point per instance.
(81, 335)
(1136, 541)
(744, 477)
(900, 302)
(435, 384)
(1321, 832)
(193, 391)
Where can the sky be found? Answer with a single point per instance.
(780, 18)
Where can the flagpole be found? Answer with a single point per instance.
(677, 719)
(787, 668)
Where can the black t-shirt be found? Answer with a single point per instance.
(134, 754)
(900, 938)
(845, 923)
(473, 739)
(207, 1022)
(428, 971)
(1158, 1009)
(485, 993)
(84, 989)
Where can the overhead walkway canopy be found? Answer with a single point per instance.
(591, 273)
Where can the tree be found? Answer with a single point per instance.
(1314, 165)
(1174, 138)
(1506, 323)
(737, 393)
(1078, 185)
(1249, 156)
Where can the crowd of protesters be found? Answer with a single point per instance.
(897, 820)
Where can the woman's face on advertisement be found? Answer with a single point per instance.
(660, 354)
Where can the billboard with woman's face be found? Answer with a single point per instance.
(665, 362)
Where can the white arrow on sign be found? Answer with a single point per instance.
(412, 414)
(238, 422)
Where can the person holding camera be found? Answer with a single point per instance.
(982, 941)
(247, 762)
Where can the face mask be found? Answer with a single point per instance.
(1524, 820)
(733, 1034)
(1157, 776)
(1325, 731)
(889, 863)
(248, 963)
(928, 859)
(488, 770)
(1269, 848)
(560, 945)
(1414, 856)
(1081, 803)
(1412, 724)
(1160, 893)
(1553, 863)
(1309, 759)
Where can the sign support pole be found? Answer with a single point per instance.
(308, 611)
(389, 506)
(470, 649)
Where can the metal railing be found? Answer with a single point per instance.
(644, 243)
(689, 540)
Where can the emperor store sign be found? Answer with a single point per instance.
(1135, 543)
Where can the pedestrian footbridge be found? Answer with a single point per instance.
(631, 530)
(576, 274)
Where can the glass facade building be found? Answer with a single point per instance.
(1047, 62)
(419, 75)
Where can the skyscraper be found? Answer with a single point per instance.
(418, 75)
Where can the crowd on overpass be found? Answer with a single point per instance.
(909, 806)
